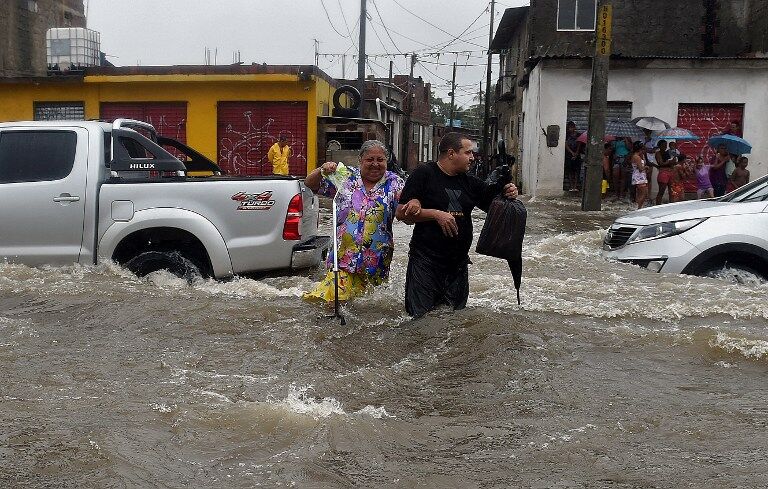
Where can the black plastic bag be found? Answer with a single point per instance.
(502, 234)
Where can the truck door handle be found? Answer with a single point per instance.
(66, 198)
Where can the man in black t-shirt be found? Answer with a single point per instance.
(439, 253)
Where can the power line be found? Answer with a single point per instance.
(385, 27)
(382, 43)
(430, 23)
(327, 15)
(344, 18)
(468, 27)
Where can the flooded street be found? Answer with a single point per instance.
(607, 376)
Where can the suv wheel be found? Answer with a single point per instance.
(172, 261)
(736, 273)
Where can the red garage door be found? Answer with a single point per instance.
(170, 119)
(246, 131)
(705, 120)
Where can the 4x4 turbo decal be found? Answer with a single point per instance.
(254, 202)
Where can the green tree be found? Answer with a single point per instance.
(441, 110)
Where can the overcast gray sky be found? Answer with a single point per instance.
(167, 32)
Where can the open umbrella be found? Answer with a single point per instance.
(677, 134)
(624, 129)
(652, 123)
(583, 138)
(735, 144)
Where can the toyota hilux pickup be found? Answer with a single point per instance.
(87, 191)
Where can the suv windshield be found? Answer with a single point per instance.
(756, 191)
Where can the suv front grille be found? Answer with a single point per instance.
(617, 237)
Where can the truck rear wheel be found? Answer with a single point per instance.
(172, 261)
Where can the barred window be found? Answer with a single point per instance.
(59, 111)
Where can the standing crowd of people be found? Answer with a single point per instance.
(628, 168)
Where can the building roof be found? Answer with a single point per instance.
(236, 69)
(510, 21)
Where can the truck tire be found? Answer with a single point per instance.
(172, 261)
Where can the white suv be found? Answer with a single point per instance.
(697, 237)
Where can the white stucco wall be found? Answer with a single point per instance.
(652, 92)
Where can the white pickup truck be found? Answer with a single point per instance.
(83, 192)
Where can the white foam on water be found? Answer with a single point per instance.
(747, 347)
(299, 401)
(162, 407)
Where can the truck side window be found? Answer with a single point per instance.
(31, 156)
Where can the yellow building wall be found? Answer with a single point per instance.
(200, 92)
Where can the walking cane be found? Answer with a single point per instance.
(336, 313)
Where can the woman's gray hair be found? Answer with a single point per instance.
(370, 144)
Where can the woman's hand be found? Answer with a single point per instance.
(510, 191)
(327, 168)
(412, 207)
(447, 223)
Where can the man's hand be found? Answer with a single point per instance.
(412, 207)
(447, 223)
(510, 191)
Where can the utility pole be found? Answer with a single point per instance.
(598, 106)
(487, 117)
(408, 106)
(361, 56)
(317, 49)
(389, 98)
(343, 66)
(453, 95)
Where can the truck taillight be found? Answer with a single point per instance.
(293, 219)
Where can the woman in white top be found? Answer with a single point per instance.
(639, 177)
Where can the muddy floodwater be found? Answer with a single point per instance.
(607, 376)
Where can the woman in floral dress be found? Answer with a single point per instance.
(368, 197)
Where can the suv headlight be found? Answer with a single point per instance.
(664, 229)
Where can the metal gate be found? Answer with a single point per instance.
(578, 112)
(168, 118)
(246, 131)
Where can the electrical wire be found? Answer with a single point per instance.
(385, 27)
(344, 18)
(328, 16)
(429, 23)
(373, 28)
(468, 27)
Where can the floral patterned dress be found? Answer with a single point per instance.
(364, 232)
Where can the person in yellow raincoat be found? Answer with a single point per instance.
(365, 211)
(278, 155)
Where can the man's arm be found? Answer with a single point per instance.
(445, 220)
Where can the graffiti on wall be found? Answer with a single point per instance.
(705, 121)
(175, 129)
(243, 146)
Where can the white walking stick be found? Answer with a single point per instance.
(336, 264)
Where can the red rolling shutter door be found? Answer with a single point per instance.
(705, 120)
(246, 131)
(170, 119)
